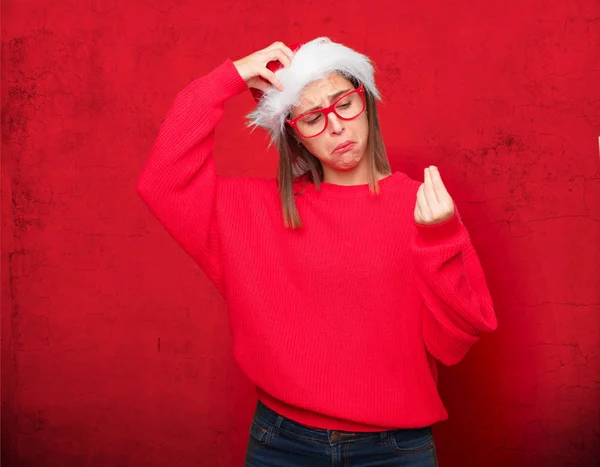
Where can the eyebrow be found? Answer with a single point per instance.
(332, 97)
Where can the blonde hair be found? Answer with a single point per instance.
(296, 161)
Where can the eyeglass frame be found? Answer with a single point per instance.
(329, 109)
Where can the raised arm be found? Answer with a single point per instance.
(179, 183)
(450, 277)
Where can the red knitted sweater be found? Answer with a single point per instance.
(338, 323)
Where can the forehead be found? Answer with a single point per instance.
(317, 92)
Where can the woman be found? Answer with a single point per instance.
(344, 282)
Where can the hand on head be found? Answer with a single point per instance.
(258, 69)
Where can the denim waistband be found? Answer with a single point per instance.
(271, 417)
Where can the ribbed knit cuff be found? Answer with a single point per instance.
(228, 79)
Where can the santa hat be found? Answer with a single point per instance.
(312, 61)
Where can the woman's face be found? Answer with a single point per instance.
(338, 132)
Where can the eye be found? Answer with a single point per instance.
(314, 120)
(342, 104)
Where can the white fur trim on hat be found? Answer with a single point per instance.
(312, 62)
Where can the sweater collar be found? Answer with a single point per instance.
(333, 190)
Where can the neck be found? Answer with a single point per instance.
(358, 175)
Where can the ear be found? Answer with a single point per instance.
(293, 135)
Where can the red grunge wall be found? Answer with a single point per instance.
(115, 348)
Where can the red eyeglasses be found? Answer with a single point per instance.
(346, 107)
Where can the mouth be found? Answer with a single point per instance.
(345, 146)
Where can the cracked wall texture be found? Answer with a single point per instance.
(115, 348)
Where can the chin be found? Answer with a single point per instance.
(345, 167)
(346, 163)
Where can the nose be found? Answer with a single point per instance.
(336, 126)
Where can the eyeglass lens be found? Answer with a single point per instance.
(348, 107)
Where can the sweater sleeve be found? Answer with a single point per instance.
(458, 305)
(178, 182)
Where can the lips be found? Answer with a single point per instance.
(345, 146)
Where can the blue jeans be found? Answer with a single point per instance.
(276, 441)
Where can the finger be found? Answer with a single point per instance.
(261, 84)
(274, 45)
(287, 51)
(438, 185)
(418, 213)
(429, 190)
(280, 45)
(446, 202)
(422, 203)
(271, 78)
(278, 54)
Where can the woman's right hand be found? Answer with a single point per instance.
(253, 68)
